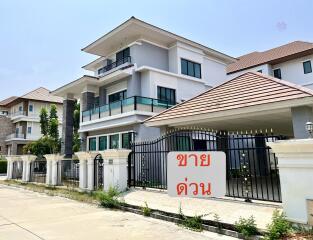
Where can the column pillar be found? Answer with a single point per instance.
(300, 116)
(295, 164)
(27, 159)
(52, 168)
(115, 163)
(67, 127)
(9, 167)
(91, 174)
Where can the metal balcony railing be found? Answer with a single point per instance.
(135, 103)
(113, 65)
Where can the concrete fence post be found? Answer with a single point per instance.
(52, 168)
(295, 164)
(9, 167)
(115, 163)
(27, 159)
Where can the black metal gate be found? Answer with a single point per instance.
(68, 173)
(38, 171)
(247, 157)
(17, 171)
(98, 172)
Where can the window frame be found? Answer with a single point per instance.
(191, 64)
(29, 130)
(30, 108)
(89, 140)
(124, 91)
(276, 69)
(303, 65)
(159, 94)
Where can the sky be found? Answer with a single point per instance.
(41, 40)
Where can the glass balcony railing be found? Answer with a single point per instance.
(113, 65)
(135, 103)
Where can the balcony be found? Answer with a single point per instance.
(136, 103)
(15, 136)
(120, 63)
(18, 114)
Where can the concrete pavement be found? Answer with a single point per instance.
(26, 215)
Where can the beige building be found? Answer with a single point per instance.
(20, 122)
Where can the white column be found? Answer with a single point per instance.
(295, 164)
(53, 165)
(83, 174)
(9, 167)
(27, 159)
(91, 173)
(115, 168)
(49, 172)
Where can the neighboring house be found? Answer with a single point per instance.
(141, 70)
(291, 62)
(251, 101)
(20, 123)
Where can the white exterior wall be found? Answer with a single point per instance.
(292, 71)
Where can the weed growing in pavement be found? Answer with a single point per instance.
(109, 199)
(246, 226)
(146, 210)
(279, 228)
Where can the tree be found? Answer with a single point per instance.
(54, 128)
(44, 122)
(76, 117)
(53, 112)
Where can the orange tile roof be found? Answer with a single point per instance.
(246, 90)
(272, 56)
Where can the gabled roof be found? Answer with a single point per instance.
(7, 100)
(246, 90)
(134, 28)
(273, 56)
(40, 94)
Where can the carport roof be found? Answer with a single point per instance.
(246, 91)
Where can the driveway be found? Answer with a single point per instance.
(26, 215)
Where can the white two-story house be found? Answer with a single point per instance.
(291, 62)
(20, 123)
(141, 70)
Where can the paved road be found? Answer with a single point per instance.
(26, 215)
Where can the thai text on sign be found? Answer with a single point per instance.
(196, 174)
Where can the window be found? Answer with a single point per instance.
(126, 138)
(307, 67)
(29, 130)
(260, 71)
(114, 141)
(17, 131)
(117, 96)
(103, 143)
(92, 144)
(20, 108)
(277, 73)
(30, 108)
(122, 54)
(167, 94)
(190, 68)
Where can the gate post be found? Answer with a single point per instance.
(91, 173)
(115, 162)
(10, 160)
(82, 157)
(27, 159)
(52, 169)
(295, 163)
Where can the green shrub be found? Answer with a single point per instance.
(193, 223)
(217, 219)
(279, 228)
(146, 210)
(246, 226)
(109, 199)
(3, 166)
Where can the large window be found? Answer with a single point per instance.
(114, 141)
(307, 67)
(103, 143)
(29, 130)
(277, 73)
(190, 68)
(30, 108)
(167, 94)
(122, 54)
(92, 144)
(117, 96)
